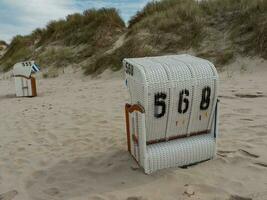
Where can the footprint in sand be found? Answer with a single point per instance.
(237, 197)
(97, 198)
(246, 153)
(242, 151)
(226, 97)
(9, 195)
(257, 95)
(136, 198)
(224, 153)
(261, 164)
(243, 110)
(39, 174)
(52, 191)
(247, 119)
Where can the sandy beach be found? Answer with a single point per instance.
(69, 143)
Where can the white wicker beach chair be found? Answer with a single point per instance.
(25, 83)
(173, 114)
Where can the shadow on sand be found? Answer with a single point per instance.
(7, 96)
(96, 175)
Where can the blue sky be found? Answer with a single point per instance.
(23, 16)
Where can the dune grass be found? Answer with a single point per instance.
(244, 20)
(95, 29)
(81, 28)
(213, 29)
(2, 42)
(134, 47)
(183, 19)
(18, 50)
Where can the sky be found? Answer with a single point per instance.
(23, 16)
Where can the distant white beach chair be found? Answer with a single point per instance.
(25, 83)
(172, 118)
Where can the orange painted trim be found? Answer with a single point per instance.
(23, 76)
(177, 137)
(136, 161)
(135, 107)
(34, 90)
(127, 126)
(129, 109)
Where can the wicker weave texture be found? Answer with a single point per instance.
(23, 87)
(180, 152)
(172, 79)
(180, 78)
(156, 82)
(205, 75)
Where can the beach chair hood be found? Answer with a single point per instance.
(25, 69)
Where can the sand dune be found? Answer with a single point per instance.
(69, 143)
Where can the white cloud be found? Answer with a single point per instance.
(30, 14)
(127, 8)
(42, 10)
(23, 16)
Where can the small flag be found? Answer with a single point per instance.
(35, 68)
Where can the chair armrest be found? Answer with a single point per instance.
(130, 109)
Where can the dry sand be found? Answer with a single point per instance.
(69, 143)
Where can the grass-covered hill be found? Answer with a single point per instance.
(72, 40)
(214, 29)
(3, 46)
(2, 42)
